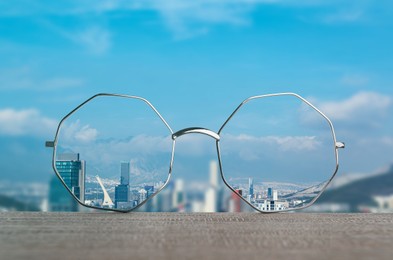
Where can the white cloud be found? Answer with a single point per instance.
(293, 143)
(86, 134)
(25, 122)
(85, 138)
(195, 145)
(364, 122)
(364, 106)
(283, 143)
(76, 133)
(358, 119)
(252, 148)
(149, 155)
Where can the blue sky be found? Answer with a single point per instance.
(195, 61)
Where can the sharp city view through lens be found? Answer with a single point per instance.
(120, 193)
(278, 152)
(115, 159)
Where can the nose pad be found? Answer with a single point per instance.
(197, 130)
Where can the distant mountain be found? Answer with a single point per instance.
(13, 204)
(360, 192)
(306, 194)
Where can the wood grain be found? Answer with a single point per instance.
(26, 235)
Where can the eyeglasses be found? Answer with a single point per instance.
(276, 152)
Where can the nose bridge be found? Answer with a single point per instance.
(196, 130)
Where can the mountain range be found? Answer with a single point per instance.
(360, 192)
(7, 202)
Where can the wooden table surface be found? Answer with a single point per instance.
(26, 235)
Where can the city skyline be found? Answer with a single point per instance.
(124, 194)
(189, 196)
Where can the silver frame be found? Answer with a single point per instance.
(193, 130)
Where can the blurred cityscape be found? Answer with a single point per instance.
(372, 193)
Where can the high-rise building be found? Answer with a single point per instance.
(212, 193)
(58, 198)
(122, 191)
(125, 173)
(210, 200)
(214, 178)
(275, 195)
(269, 193)
(251, 187)
(178, 197)
(72, 172)
(122, 194)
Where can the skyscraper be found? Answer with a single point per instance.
(275, 195)
(58, 198)
(212, 194)
(72, 171)
(251, 187)
(122, 191)
(178, 197)
(125, 173)
(122, 194)
(214, 178)
(269, 193)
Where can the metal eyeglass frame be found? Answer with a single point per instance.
(195, 130)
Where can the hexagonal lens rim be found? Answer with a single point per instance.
(78, 108)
